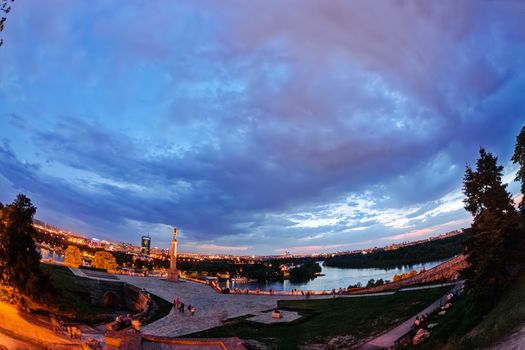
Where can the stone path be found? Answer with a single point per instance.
(211, 307)
(432, 286)
(97, 275)
(388, 339)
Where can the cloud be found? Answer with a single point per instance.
(309, 249)
(215, 247)
(332, 123)
(427, 231)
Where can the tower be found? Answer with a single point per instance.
(145, 244)
(173, 274)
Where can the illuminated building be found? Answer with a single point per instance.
(145, 245)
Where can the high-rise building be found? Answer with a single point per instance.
(145, 244)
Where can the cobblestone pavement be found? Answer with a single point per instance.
(211, 307)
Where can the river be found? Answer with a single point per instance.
(50, 255)
(334, 278)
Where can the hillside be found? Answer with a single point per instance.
(418, 253)
(466, 328)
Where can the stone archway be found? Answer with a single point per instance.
(110, 300)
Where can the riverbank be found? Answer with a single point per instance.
(435, 249)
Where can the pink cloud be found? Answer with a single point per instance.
(427, 230)
(216, 247)
(308, 249)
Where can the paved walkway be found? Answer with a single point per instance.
(432, 286)
(211, 307)
(388, 339)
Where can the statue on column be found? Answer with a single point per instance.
(173, 273)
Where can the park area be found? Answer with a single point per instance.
(347, 321)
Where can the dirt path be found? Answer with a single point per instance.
(15, 323)
(9, 343)
(388, 339)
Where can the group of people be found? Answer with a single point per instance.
(225, 290)
(420, 321)
(448, 304)
(180, 307)
(421, 327)
(124, 321)
(58, 325)
(339, 292)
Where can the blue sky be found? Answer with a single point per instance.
(257, 127)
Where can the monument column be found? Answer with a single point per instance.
(173, 273)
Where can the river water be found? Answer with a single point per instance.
(334, 278)
(51, 255)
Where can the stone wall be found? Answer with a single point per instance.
(128, 297)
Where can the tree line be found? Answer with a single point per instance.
(495, 249)
(437, 249)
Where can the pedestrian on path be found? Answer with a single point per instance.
(176, 304)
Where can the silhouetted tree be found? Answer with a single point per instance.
(19, 260)
(490, 251)
(5, 8)
(519, 158)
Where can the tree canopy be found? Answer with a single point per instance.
(104, 260)
(19, 260)
(73, 256)
(491, 249)
(519, 158)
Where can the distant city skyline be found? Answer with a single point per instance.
(257, 128)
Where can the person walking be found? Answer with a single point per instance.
(176, 304)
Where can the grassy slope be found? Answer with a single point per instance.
(323, 319)
(465, 328)
(75, 299)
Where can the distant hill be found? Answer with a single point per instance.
(437, 249)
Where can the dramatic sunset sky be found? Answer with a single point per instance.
(257, 126)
